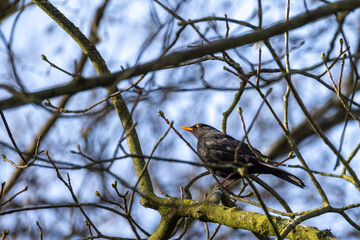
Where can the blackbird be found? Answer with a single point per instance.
(217, 147)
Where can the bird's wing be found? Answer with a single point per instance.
(222, 149)
(229, 143)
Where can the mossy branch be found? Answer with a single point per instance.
(235, 217)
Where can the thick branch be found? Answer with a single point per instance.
(233, 217)
(165, 229)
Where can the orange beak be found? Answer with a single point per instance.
(190, 129)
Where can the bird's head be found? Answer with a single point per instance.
(200, 129)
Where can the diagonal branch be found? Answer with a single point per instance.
(170, 60)
(101, 68)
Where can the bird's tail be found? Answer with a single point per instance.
(289, 177)
(272, 169)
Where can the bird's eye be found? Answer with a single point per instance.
(197, 125)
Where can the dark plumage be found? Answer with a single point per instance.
(217, 147)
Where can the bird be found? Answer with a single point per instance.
(216, 147)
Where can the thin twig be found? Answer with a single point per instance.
(43, 57)
(89, 229)
(18, 166)
(40, 229)
(215, 232)
(14, 196)
(269, 217)
(62, 110)
(337, 90)
(11, 137)
(146, 166)
(68, 185)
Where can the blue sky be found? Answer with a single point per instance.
(123, 32)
